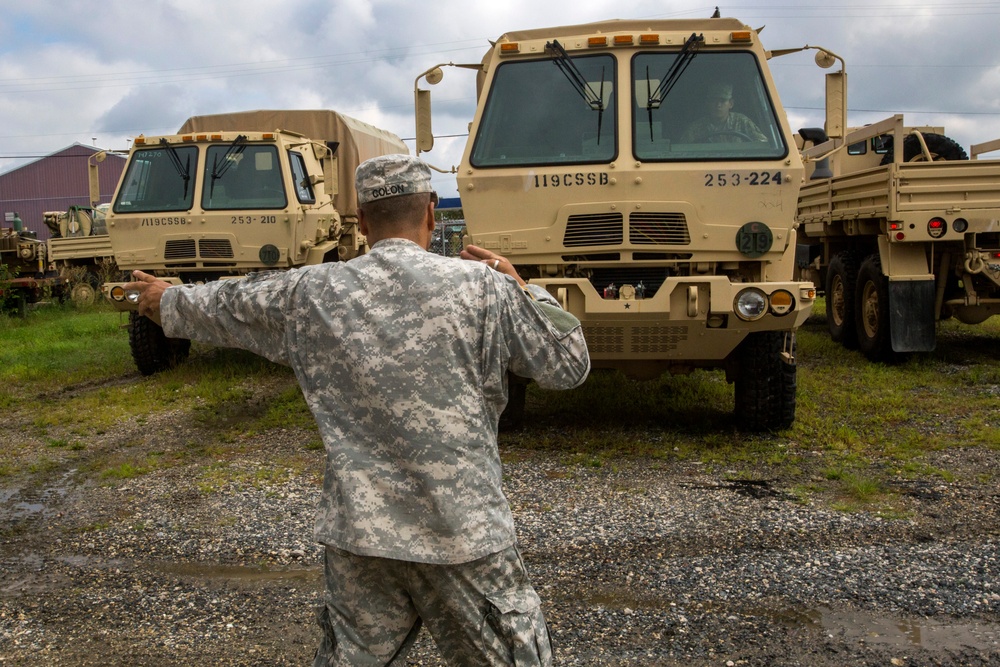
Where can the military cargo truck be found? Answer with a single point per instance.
(902, 230)
(25, 275)
(80, 250)
(234, 193)
(644, 173)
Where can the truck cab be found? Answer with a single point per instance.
(644, 173)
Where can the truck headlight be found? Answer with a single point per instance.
(750, 304)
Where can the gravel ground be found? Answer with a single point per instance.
(640, 563)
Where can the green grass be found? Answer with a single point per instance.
(59, 342)
(67, 381)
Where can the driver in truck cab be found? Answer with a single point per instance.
(721, 124)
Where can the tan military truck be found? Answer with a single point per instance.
(80, 250)
(902, 230)
(234, 193)
(644, 173)
(25, 276)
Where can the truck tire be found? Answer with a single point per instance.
(941, 148)
(83, 294)
(841, 279)
(872, 313)
(152, 351)
(765, 383)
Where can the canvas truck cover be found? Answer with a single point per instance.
(358, 141)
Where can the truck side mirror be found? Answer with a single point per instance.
(425, 135)
(836, 104)
(422, 106)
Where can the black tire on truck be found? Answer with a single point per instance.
(941, 148)
(841, 278)
(765, 382)
(872, 313)
(152, 351)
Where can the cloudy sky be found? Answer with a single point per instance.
(102, 72)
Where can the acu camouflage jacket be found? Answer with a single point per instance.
(402, 357)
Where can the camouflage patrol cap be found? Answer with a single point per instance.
(391, 176)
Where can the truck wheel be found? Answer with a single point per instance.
(940, 146)
(152, 351)
(874, 338)
(765, 382)
(83, 295)
(841, 278)
(512, 417)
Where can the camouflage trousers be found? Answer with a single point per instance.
(484, 613)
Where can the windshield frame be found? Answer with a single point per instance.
(143, 183)
(253, 190)
(687, 101)
(505, 119)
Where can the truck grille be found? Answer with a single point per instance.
(176, 249)
(645, 228)
(179, 249)
(215, 248)
(658, 229)
(647, 340)
(590, 229)
(657, 338)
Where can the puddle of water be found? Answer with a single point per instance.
(35, 502)
(926, 633)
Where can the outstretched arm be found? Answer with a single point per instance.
(150, 290)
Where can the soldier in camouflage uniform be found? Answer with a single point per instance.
(722, 124)
(402, 356)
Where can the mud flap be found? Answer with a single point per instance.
(911, 315)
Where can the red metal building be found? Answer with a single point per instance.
(54, 183)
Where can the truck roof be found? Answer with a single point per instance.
(358, 141)
(619, 25)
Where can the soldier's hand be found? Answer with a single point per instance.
(150, 290)
(491, 259)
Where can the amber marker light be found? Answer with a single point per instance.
(623, 40)
(510, 48)
(782, 302)
(649, 39)
(740, 36)
(597, 41)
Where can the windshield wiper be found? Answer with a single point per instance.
(654, 98)
(594, 99)
(183, 170)
(228, 160)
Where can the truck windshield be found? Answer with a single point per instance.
(248, 178)
(158, 179)
(535, 115)
(718, 110)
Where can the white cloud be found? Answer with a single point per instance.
(73, 70)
